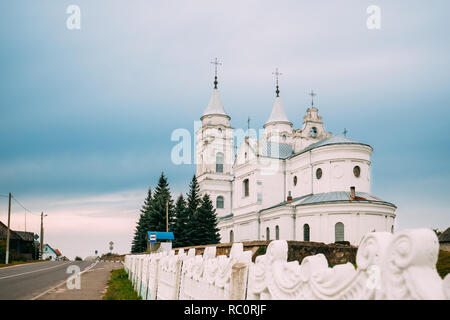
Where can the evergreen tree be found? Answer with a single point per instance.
(157, 211)
(140, 235)
(181, 223)
(193, 202)
(205, 221)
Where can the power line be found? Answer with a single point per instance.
(18, 202)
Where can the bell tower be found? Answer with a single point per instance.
(214, 153)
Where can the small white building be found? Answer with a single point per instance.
(295, 184)
(50, 254)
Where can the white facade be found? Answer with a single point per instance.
(291, 184)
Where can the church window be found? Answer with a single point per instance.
(319, 173)
(339, 232)
(313, 132)
(295, 180)
(392, 229)
(219, 202)
(220, 130)
(246, 188)
(284, 137)
(277, 232)
(306, 232)
(219, 162)
(357, 171)
(267, 233)
(231, 236)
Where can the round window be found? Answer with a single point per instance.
(319, 173)
(295, 180)
(357, 171)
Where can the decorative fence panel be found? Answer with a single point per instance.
(169, 273)
(400, 266)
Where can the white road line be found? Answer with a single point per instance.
(62, 282)
(21, 274)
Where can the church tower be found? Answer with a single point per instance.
(278, 128)
(214, 153)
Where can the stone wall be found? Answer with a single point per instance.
(297, 250)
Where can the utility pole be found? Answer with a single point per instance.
(42, 236)
(167, 215)
(8, 231)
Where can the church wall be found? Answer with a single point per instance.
(336, 163)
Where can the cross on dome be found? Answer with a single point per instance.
(312, 94)
(277, 74)
(215, 63)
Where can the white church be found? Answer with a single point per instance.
(293, 184)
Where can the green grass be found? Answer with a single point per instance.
(443, 263)
(19, 262)
(119, 287)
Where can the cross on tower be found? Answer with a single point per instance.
(312, 94)
(345, 132)
(277, 74)
(216, 63)
(248, 124)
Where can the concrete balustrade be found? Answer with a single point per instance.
(400, 266)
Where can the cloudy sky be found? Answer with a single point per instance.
(87, 115)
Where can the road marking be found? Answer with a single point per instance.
(62, 282)
(21, 274)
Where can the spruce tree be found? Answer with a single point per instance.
(140, 236)
(193, 202)
(181, 223)
(205, 221)
(157, 211)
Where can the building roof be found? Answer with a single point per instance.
(58, 253)
(278, 114)
(16, 235)
(215, 105)
(161, 235)
(445, 236)
(333, 140)
(332, 197)
(275, 150)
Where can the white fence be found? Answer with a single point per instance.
(401, 266)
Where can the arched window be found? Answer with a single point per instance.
(313, 132)
(246, 188)
(267, 233)
(392, 229)
(219, 202)
(306, 232)
(295, 181)
(219, 162)
(277, 232)
(339, 231)
(231, 236)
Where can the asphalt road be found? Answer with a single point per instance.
(26, 281)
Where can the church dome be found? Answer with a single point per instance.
(215, 105)
(278, 114)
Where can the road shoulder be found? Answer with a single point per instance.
(93, 284)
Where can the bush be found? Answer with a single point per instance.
(443, 263)
(119, 287)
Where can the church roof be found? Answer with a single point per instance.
(332, 197)
(215, 105)
(333, 140)
(275, 150)
(278, 114)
